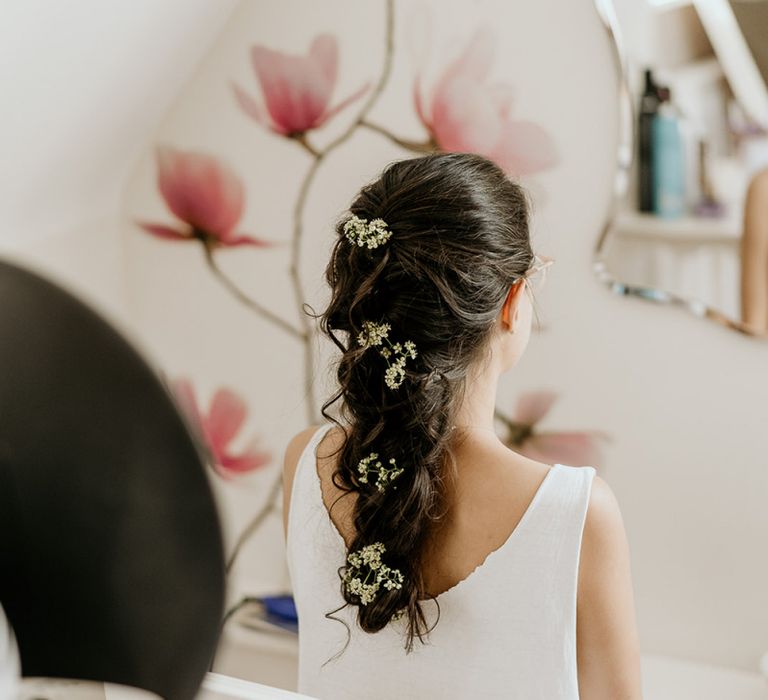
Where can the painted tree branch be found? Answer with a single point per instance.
(417, 146)
(270, 504)
(304, 188)
(307, 332)
(245, 299)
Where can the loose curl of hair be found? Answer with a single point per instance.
(459, 239)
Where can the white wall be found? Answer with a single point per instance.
(84, 83)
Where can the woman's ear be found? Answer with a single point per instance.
(510, 303)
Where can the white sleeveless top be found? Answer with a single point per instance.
(508, 630)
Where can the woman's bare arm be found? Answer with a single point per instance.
(606, 632)
(754, 255)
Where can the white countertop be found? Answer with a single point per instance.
(686, 229)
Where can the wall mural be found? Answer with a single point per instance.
(461, 109)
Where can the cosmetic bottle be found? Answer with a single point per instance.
(649, 104)
(668, 160)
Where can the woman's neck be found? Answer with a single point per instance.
(478, 409)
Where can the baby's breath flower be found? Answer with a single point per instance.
(363, 466)
(384, 475)
(390, 578)
(395, 373)
(373, 334)
(367, 592)
(358, 581)
(362, 232)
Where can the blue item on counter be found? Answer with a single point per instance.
(282, 606)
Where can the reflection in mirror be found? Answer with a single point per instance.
(691, 224)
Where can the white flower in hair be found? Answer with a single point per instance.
(366, 573)
(384, 475)
(362, 232)
(374, 335)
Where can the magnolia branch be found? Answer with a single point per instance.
(245, 299)
(298, 211)
(417, 146)
(269, 506)
(306, 334)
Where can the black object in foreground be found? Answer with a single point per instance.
(111, 558)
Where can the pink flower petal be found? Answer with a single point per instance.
(465, 119)
(570, 448)
(333, 111)
(524, 148)
(469, 115)
(464, 114)
(200, 190)
(184, 394)
(502, 96)
(324, 54)
(166, 232)
(219, 427)
(225, 417)
(232, 240)
(249, 460)
(533, 406)
(255, 110)
(297, 89)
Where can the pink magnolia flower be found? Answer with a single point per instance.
(466, 113)
(296, 89)
(571, 448)
(219, 426)
(205, 194)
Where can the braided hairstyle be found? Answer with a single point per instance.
(459, 239)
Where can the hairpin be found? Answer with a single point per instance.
(362, 232)
(373, 335)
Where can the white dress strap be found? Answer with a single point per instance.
(306, 510)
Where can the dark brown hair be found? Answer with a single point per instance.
(459, 239)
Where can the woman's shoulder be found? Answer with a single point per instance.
(603, 513)
(298, 443)
(604, 542)
(296, 446)
(293, 451)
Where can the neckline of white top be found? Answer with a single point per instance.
(481, 566)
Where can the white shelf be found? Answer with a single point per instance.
(684, 230)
